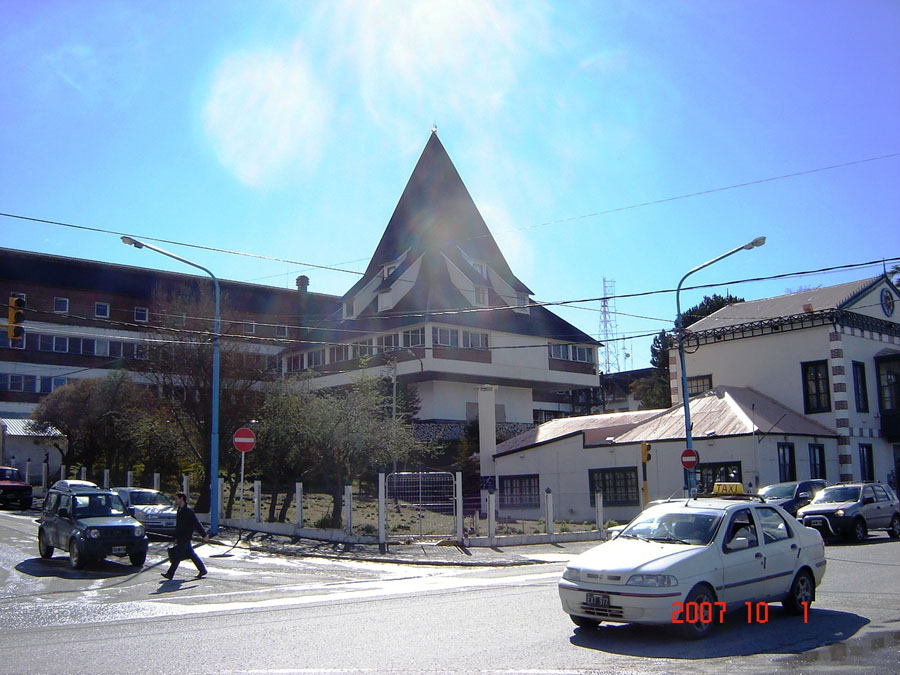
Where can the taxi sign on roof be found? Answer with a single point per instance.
(728, 489)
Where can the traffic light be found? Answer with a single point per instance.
(15, 318)
(645, 452)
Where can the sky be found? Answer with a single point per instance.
(610, 146)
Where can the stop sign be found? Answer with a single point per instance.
(689, 458)
(244, 439)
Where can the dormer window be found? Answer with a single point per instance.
(388, 270)
(481, 296)
(521, 300)
(482, 269)
(348, 309)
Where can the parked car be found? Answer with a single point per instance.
(852, 510)
(689, 562)
(90, 523)
(792, 495)
(14, 490)
(154, 509)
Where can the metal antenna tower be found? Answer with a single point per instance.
(608, 328)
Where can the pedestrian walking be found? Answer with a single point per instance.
(186, 523)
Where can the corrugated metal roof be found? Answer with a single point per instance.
(792, 304)
(610, 424)
(727, 411)
(22, 427)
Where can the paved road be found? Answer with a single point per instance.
(264, 611)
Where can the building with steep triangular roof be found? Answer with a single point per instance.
(438, 307)
(832, 353)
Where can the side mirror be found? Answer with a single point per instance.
(804, 495)
(63, 513)
(737, 544)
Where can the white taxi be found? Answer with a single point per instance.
(688, 563)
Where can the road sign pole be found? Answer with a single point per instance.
(241, 492)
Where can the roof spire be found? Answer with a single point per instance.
(434, 128)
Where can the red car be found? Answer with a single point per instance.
(13, 490)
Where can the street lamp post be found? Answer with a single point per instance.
(214, 433)
(679, 327)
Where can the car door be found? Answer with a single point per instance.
(743, 562)
(62, 523)
(871, 510)
(780, 549)
(883, 509)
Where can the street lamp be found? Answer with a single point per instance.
(679, 327)
(214, 433)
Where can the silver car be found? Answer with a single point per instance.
(154, 509)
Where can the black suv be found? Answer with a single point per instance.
(90, 523)
(852, 510)
(13, 489)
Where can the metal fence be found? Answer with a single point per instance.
(420, 504)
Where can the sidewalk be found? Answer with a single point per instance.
(423, 553)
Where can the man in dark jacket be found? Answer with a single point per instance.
(186, 523)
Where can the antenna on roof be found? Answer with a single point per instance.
(434, 127)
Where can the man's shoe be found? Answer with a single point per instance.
(200, 575)
(167, 575)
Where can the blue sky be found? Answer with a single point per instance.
(289, 129)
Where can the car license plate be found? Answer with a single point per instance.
(816, 522)
(597, 600)
(118, 550)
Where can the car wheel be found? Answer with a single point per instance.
(894, 529)
(859, 531)
(801, 595)
(584, 622)
(137, 558)
(45, 549)
(76, 558)
(694, 631)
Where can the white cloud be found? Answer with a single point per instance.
(267, 115)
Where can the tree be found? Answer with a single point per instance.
(655, 391)
(336, 434)
(111, 421)
(179, 365)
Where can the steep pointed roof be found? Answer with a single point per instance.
(435, 214)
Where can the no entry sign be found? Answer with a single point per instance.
(244, 439)
(689, 458)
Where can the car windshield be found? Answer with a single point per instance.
(837, 495)
(149, 499)
(97, 506)
(10, 474)
(678, 527)
(778, 491)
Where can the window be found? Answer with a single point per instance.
(59, 382)
(363, 348)
(45, 343)
(859, 387)
(866, 463)
(101, 347)
(817, 460)
(338, 353)
(281, 331)
(558, 351)
(880, 493)
(521, 300)
(583, 354)
(249, 328)
(444, 337)
(17, 383)
(316, 358)
(816, 397)
(60, 344)
(348, 309)
(787, 467)
(889, 384)
(710, 473)
(475, 340)
(741, 527)
(141, 314)
(60, 305)
(140, 350)
(481, 296)
(699, 384)
(414, 337)
(774, 527)
(482, 270)
(521, 491)
(619, 486)
(388, 270)
(101, 310)
(295, 363)
(388, 342)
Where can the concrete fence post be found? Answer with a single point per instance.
(348, 505)
(156, 480)
(129, 478)
(298, 496)
(62, 472)
(382, 513)
(186, 485)
(84, 473)
(598, 506)
(458, 489)
(28, 471)
(492, 518)
(45, 476)
(106, 478)
(257, 499)
(548, 511)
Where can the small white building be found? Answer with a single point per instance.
(736, 433)
(27, 450)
